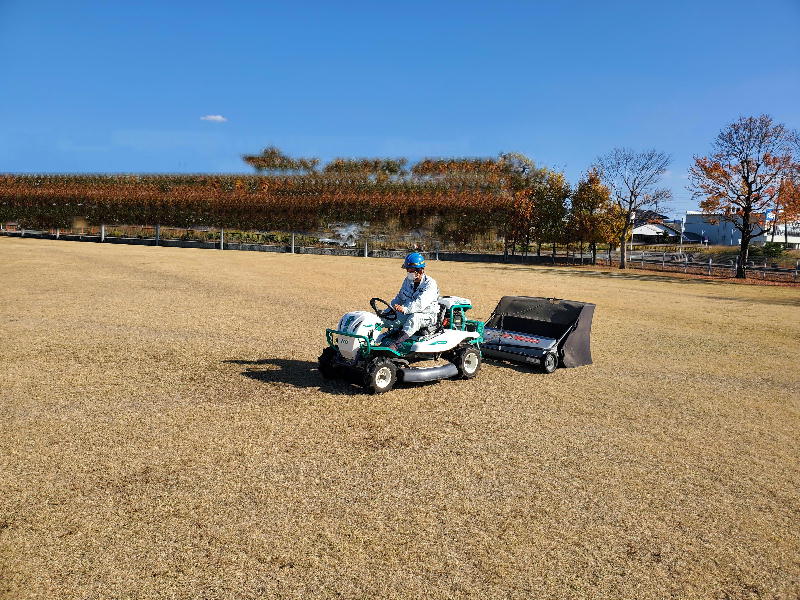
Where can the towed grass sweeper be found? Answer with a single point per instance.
(547, 332)
(358, 348)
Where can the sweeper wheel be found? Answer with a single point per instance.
(550, 362)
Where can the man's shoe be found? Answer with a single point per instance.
(387, 338)
(395, 345)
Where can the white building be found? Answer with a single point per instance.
(791, 235)
(654, 233)
(716, 231)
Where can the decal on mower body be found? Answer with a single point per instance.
(348, 346)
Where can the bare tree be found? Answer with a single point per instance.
(742, 176)
(633, 177)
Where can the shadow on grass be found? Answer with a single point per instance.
(298, 373)
(662, 276)
(770, 301)
(305, 374)
(634, 274)
(629, 275)
(512, 366)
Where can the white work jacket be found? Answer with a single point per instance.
(425, 299)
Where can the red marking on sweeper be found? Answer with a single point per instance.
(521, 338)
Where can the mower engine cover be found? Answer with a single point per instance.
(358, 322)
(451, 301)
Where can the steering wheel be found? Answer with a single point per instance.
(389, 313)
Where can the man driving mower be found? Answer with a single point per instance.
(417, 302)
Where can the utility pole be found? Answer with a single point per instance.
(633, 224)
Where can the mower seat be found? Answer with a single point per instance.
(440, 317)
(437, 326)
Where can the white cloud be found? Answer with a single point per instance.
(215, 118)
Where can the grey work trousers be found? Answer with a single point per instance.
(413, 322)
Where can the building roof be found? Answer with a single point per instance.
(653, 229)
(688, 236)
(648, 216)
(718, 215)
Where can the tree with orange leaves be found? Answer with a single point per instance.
(741, 178)
(787, 202)
(591, 208)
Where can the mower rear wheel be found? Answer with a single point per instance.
(327, 365)
(381, 376)
(468, 361)
(549, 362)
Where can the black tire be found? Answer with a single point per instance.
(549, 362)
(381, 376)
(327, 363)
(468, 361)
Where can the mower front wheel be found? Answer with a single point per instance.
(468, 361)
(327, 365)
(381, 376)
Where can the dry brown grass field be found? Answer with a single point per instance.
(165, 434)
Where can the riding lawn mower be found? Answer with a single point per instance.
(358, 349)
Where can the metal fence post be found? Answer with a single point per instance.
(293, 243)
(102, 233)
(686, 264)
(222, 238)
(158, 234)
(58, 232)
(366, 253)
(764, 272)
(709, 266)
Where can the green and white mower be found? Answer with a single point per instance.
(357, 349)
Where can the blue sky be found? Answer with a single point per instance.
(122, 86)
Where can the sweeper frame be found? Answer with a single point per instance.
(548, 332)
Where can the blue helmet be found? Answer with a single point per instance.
(415, 260)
